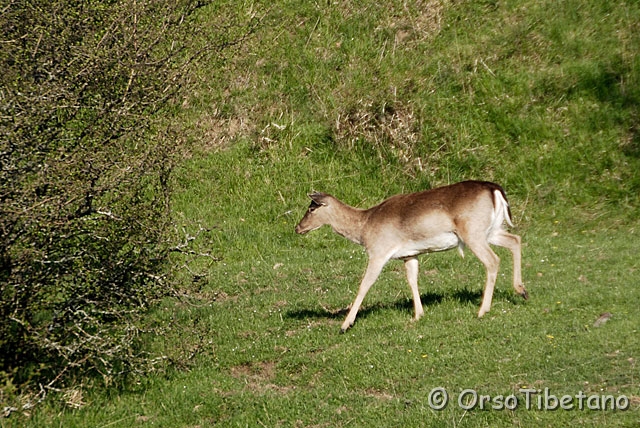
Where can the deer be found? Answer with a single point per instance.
(466, 214)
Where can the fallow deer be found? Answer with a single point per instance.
(470, 213)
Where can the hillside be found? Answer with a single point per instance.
(538, 96)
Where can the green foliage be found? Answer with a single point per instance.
(87, 148)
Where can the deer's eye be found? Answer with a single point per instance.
(314, 206)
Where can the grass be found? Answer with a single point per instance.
(364, 100)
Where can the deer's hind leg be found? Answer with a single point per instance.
(512, 242)
(476, 240)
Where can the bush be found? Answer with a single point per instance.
(85, 167)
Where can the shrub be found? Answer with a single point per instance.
(84, 168)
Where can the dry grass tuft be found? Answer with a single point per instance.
(389, 128)
(73, 398)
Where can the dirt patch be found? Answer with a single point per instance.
(259, 376)
(379, 395)
(262, 370)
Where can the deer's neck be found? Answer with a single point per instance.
(349, 222)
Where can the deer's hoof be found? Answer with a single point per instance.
(345, 327)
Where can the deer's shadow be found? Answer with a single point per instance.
(405, 304)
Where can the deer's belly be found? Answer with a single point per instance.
(442, 242)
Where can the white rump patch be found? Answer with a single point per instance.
(500, 213)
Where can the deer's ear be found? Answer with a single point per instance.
(319, 198)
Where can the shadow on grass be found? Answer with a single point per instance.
(428, 299)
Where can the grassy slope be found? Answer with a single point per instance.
(366, 99)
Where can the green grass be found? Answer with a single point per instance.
(365, 100)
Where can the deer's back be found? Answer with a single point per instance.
(430, 218)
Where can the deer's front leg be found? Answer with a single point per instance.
(411, 265)
(371, 274)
